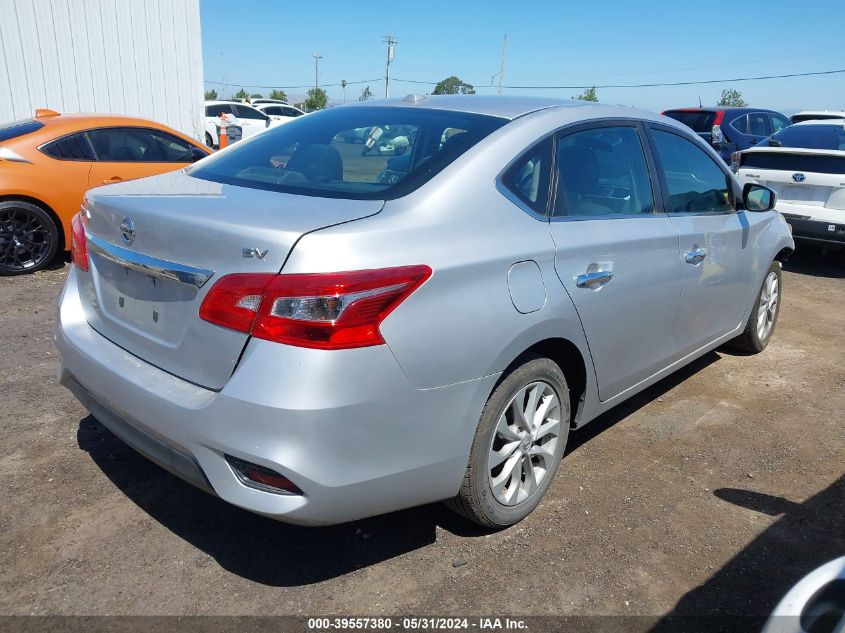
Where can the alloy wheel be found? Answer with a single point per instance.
(767, 310)
(24, 240)
(524, 443)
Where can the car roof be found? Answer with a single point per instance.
(821, 112)
(509, 107)
(79, 120)
(720, 109)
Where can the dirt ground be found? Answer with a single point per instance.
(712, 492)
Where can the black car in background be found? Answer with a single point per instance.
(731, 130)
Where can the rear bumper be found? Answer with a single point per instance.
(346, 427)
(811, 230)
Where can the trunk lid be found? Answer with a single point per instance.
(157, 245)
(808, 177)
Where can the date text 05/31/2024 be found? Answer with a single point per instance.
(416, 624)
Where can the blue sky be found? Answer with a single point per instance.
(270, 42)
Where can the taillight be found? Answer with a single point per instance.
(322, 310)
(716, 135)
(78, 245)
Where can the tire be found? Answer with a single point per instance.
(761, 322)
(496, 497)
(29, 238)
(209, 141)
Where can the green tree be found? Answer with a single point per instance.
(366, 94)
(211, 95)
(256, 96)
(732, 98)
(241, 94)
(316, 99)
(588, 95)
(453, 86)
(279, 95)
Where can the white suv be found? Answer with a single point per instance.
(805, 165)
(249, 119)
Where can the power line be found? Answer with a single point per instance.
(650, 85)
(348, 83)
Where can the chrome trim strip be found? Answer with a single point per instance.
(149, 265)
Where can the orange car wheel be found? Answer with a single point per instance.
(28, 237)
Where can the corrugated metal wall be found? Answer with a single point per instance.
(135, 57)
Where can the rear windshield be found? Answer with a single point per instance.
(794, 162)
(18, 128)
(797, 118)
(364, 153)
(809, 136)
(698, 120)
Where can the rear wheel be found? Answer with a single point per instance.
(208, 140)
(29, 238)
(764, 315)
(518, 445)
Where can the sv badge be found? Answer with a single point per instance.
(255, 252)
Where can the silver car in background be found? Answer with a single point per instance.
(286, 327)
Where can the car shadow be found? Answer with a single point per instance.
(278, 554)
(621, 411)
(811, 260)
(741, 595)
(255, 547)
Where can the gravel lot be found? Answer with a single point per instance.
(711, 492)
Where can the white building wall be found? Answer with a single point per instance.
(136, 57)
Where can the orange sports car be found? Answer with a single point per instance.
(48, 162)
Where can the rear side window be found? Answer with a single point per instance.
(216, 110)
(779, 122)
(741, 124)
(73, 147)
(15, 129)
(529, 177)
(292, 112)
(602, 172)
(794, 162)
(275, 110)
(695, 182)
(810, 136)
(758, 124)
(363, 153)
(697, 120)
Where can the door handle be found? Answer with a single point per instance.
(597, 278)
(695, 256)
(112, 179)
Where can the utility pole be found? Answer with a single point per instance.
(502, 67)
(222, 78)
(388, 39)
(317, 59)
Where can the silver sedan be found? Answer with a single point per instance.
(318, 333)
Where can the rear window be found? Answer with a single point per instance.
(18, 128)
(698, 120)
(809, 136)
(794, 162)
(797, 118)
(363, 153)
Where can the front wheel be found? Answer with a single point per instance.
(29, 238)
(764, 315)
(517, 447)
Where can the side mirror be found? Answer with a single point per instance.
(197, 154)
(758, 197)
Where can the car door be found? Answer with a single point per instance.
(700, 196)
(124, 153)
(251, 120)
(616, 253)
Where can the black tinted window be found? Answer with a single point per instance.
(811, 136)
(698, 120)
(142, 145)
(794, 162)
(779, 122)
(245, 112)
(529, 177)
(18, 128)
(741, 124)
(363, 152)
(292, 112)
(276, 110)
(758, 124)
(73, 147)
(696, 183)
(215, 110)
(602, 172)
